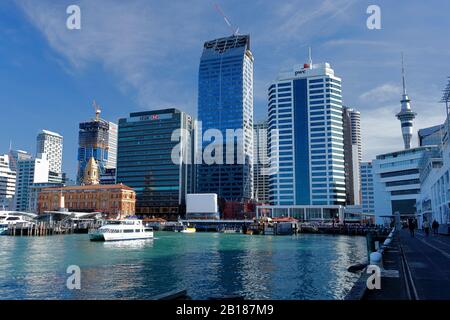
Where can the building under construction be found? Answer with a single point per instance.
(96, 140)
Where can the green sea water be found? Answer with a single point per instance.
(205, 264)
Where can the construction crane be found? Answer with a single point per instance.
(227, 21)
(97, 111)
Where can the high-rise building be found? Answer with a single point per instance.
(352, 154)
(147, 160)
(306, 142)
(406, 115)
(367, 195)
(94, 141)
(225, 102)
(15, 156)
(261, 163)
(29, 171)
(7, 183)
(51, 144)
(112, 146)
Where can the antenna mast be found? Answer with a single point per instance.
(403, 75)
(310, 58)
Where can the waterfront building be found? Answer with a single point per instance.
(431, 136)
(15, 156)
(97, 139)
(367, 195)
(306, 141)
(304, 213)
(396, 182)
(51, 144)
(406, 115)
(144, 162)
(261, 163)
(29, 171)
(7, 183)
(117, 201)
(225, 102)
(34, 191)
(434, 200)
(352, 154)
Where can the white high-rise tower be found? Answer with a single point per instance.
(406, 115)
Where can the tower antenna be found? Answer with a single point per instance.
(227, 21)
(310, 58)
(403, 76)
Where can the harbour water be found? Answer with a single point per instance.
(304, 266)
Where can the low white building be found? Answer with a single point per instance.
(396, 183)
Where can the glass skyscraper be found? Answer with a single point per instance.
(306, 142)
(225, 101)
(144, 160)
(261, 163)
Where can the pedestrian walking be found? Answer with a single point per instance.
(411, 227)
(426, 227)
(435, 227)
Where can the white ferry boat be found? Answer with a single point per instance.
(10, 218)
(116, 230)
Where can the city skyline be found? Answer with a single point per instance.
(80, 60)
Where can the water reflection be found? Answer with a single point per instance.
(128, 244)
(205, 264)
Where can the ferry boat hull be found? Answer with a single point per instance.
(98, 236)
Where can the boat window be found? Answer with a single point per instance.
(12, 218)
(128, 231)
(137, 230)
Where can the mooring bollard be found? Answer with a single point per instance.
(376, 258)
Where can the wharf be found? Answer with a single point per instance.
(45, 229)
(414, 268)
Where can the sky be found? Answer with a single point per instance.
(140, 55)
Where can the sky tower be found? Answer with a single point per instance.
(406, 115)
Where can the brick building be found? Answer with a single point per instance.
(117, 201)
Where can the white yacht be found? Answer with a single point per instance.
(115, 230)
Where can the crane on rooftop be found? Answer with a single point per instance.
(227, 21)
(97, 109)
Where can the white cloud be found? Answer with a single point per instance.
(133, 40)
(382, 93)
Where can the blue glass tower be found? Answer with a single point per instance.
(225, 101)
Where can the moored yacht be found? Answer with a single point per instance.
(115, 230)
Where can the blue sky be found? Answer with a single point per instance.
(143, 54)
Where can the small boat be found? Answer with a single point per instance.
(189, 230)
(116, 230)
